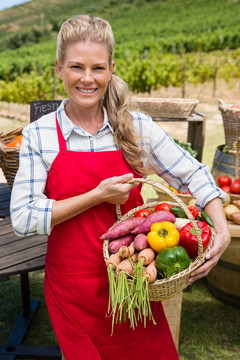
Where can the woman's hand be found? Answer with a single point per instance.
(221, 241)
(115, 190)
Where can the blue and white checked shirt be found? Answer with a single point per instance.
(31, 209)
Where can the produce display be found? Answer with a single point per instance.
(229, 186)
(232, 211)
(231, 208)
(153, 244)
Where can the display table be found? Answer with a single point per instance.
(224, 279)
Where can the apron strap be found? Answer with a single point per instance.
(61, 140)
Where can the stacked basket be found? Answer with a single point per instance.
(9, 156)
(231, 123)
(165, 288)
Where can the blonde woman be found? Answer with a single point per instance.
(75, 164)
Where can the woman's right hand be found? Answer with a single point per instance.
(115, 190)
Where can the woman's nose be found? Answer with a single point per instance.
(87, 76)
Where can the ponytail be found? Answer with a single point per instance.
(116, 102)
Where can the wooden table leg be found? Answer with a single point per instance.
(13, 348)
(196, 135)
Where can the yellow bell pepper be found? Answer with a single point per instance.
(163, 235)
(172, 189)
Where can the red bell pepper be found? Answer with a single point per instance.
(188, 238)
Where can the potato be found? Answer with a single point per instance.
(229, 210)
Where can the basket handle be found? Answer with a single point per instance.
(221, 104)
(158, 186)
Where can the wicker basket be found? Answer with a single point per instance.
(168, 287)
(9, 156)
(231, 122)
(165, 107)
(162, 196)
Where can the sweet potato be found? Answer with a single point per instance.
(236, 203)
(116, 244)
(158, 216)
(122, 228)
(140, 242)
(236, 217)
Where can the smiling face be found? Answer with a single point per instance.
(85, 73)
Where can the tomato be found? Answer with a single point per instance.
(143, 213)
(226, 189)
(163, 206)
(224, 181)
(194, 211)
(235, 187)
(237, 180)
(16, 142)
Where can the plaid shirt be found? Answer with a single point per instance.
(31, 209)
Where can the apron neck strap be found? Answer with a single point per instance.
(61, 140)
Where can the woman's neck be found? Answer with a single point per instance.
(89, 119)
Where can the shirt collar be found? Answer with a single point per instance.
(67, 126)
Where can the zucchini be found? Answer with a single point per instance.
(178, 212)
(206, 218)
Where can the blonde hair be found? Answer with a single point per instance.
(117, 96)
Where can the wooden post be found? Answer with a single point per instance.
(184, 78)
(237, 159)
(215, 78)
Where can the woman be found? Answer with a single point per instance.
(74, 168)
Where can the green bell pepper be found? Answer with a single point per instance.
(171, 261)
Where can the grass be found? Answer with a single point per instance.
(209, 327)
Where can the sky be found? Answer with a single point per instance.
(5, 4)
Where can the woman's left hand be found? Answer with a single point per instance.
(221, 241)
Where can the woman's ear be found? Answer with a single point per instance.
(111, 70)
(59, 69)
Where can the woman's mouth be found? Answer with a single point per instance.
(86, 91)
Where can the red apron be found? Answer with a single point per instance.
(76, 283)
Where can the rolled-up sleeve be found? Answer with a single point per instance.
(175, 165)
(30, 209)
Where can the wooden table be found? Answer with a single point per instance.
(195, 132)
(21, 256)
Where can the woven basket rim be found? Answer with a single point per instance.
(222, 106)
(5, 136)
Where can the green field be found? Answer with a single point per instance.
(159, 45)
